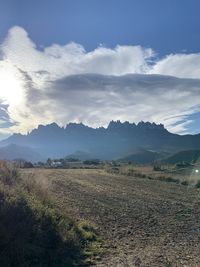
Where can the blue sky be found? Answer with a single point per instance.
(170, 26)
(144, 56)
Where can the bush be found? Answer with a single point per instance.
(9, 174)
(157, 168)
(141, 175)
(183, 164)
(130, 172)
(197, 185)
(186, 183)
(168, 179)
(113, 170)
(28, 164)
(92, 162)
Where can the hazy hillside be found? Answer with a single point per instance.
(13, 151)
(190, 156)
(113, 142)
(143, 156)
(80, 155)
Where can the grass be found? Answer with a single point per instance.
(34, 232)
(95, 246)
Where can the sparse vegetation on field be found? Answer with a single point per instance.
(167, 173)
(144, 216)
(144, 222)
(33, 231)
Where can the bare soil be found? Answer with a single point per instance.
(143, 222)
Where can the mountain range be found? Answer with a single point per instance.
(118, 140)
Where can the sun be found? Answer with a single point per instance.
(11, 85)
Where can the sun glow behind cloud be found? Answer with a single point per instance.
(11, 85)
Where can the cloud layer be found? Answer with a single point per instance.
(52, 84)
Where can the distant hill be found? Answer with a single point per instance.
(190, 156)
(113, 142)
(143, 156)
(80, 155)
(12, 152)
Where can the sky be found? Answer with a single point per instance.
(94, 61)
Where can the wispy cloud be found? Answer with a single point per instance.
(53, 84)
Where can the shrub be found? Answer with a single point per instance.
(130, 172)
(91, 162)
(182, 164)
(28, 164)
(157, 168)
(8, 173)
(113, 170)
(197, 185)
(186, 183)
(169, 179)
(140, 175)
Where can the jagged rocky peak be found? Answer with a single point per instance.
(151, 126)
(118, 124)
(75, 126)
(52, 125)
(105, 143)
(113, 125)
(49, 128)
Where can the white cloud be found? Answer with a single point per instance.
(55, 85)
(60, 61)
(180, 65)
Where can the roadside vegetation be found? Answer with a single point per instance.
(34, 232)
(184, 174)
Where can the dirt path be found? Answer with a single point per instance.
(145, 222)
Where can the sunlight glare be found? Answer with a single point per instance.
(11, 85)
